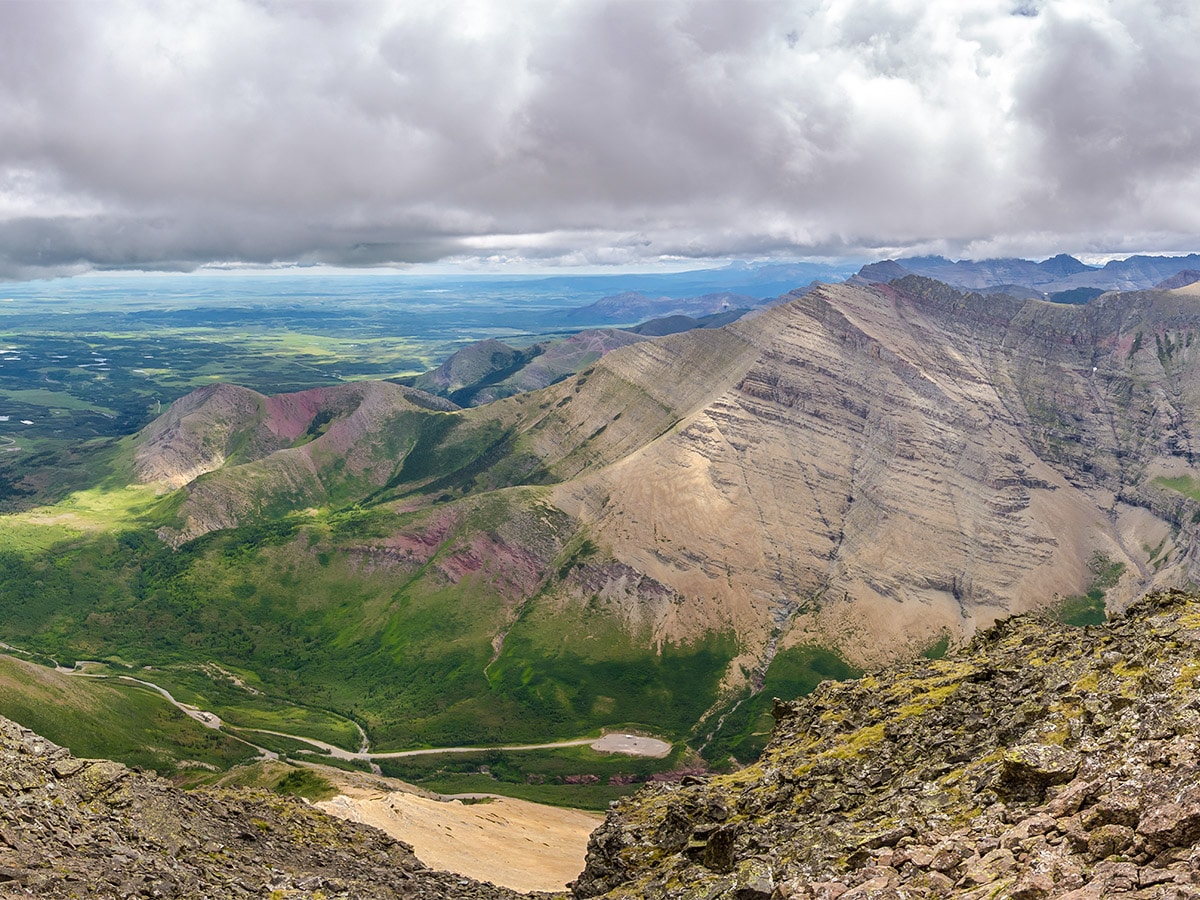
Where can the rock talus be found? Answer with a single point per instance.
(1041, 762)
(74, 828)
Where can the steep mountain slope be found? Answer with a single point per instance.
(1043, 761)
(905, 460)
(853, 466)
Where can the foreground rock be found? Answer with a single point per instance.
(1044, 761)
(91, 828)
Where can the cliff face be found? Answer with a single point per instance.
(90, 828)
(909, 460)
(1042, 761)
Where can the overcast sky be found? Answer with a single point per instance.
(515, 134)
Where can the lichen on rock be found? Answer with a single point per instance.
(977, 776)
(74, 828)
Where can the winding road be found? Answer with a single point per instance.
(615, 742)
(629, 744)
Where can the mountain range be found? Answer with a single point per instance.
(661, 529)
(860, 430)
(866, 471)
(1023, 277)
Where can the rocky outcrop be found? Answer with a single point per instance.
(1041, 762)
(91, 828)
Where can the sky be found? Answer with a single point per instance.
(523, 134)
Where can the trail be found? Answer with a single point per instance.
(339, 753)
(207, 719)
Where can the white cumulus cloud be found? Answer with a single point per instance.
(169, 135)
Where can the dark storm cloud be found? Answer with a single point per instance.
(173, 134)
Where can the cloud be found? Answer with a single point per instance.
(362, 133)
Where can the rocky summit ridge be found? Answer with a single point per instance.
(1042, 761)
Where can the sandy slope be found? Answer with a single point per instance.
(521, 845)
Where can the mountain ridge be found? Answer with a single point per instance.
(946, 358)
(856, 474)
(1059, 273)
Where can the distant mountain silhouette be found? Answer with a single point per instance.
(1022, 277)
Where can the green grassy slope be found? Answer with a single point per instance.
(112, 720)
(326, 619)
(395, 566)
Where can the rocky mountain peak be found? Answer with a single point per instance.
(1042, 761)
(1064, 264)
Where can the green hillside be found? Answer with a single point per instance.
(112, 719)
(326, 619)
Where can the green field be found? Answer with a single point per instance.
(1089, 607)
(318, 644)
